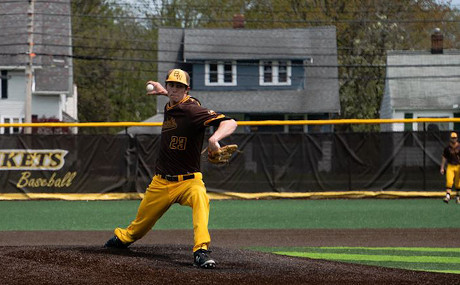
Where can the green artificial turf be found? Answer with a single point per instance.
(235, 214)
(445, 260)
(267, 214)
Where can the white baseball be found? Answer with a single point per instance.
(150, 87)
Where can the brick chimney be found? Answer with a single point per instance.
(437, 44)
(238, 21)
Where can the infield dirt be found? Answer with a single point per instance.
(165, 257)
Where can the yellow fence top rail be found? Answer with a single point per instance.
(241, 123)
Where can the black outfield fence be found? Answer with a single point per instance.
(405, 161)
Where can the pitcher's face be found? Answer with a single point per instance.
(176, 91)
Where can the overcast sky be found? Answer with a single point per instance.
(455, 3)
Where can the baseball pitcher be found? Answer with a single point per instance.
(177, 175)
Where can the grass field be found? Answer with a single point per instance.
(267, 214)
(236, 214)
(445, 260)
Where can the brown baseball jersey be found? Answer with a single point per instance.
(182, 136)
(452, 154)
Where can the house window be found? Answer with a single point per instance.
(296, 128)
(282, 72)
(220, 73)
(408, 126)
(275, 72)
(11, 130)
(268, 72)
(228, 73)
(432, 127)
(457, 125)
(4, 84)
(213, 73)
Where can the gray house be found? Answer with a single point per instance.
(53, 92)
(271, 74)
(422, 84)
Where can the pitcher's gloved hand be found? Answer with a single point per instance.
(223, 154)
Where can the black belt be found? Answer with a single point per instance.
(177, 177)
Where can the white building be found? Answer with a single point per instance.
(422, 84)
(53, 92)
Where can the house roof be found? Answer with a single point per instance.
(249, 44)
(321, 92)
(52, 42)
(423, 81)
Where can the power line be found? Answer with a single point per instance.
(271, 11)
(111, 58)
(136, 40)
(212, 20)
(325, 77)
(148, 50)
(148, 60)
(305, 53)
(191, 46)
(192, 6)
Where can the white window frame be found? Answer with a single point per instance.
(11, 120)
(220, 74)
(275, 73)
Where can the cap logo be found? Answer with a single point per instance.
(178, 75)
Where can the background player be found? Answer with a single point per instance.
(451, 155)
(177, 174)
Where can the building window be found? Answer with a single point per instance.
(11, 130)
(4, 84)
(296, 128)
(213, 73)
(408, 126)
(456, 125)
(275, 72)
(220, 73)
(268, 72)
(432, 127)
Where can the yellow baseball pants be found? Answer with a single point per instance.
(159, 196)
(453, 176)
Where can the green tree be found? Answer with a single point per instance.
(114, 55)
(366, 30)
(115, 45)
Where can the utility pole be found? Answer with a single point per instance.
(29, 66)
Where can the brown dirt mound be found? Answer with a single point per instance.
(172, 264)
(56, 261)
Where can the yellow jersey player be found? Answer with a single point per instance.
(451, 155)
(177, 174)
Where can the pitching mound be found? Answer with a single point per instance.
(173, 264)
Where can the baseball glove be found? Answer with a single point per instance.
(223, 154)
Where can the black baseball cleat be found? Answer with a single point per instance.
(202, 259)
(446, 198)
(115, 242)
